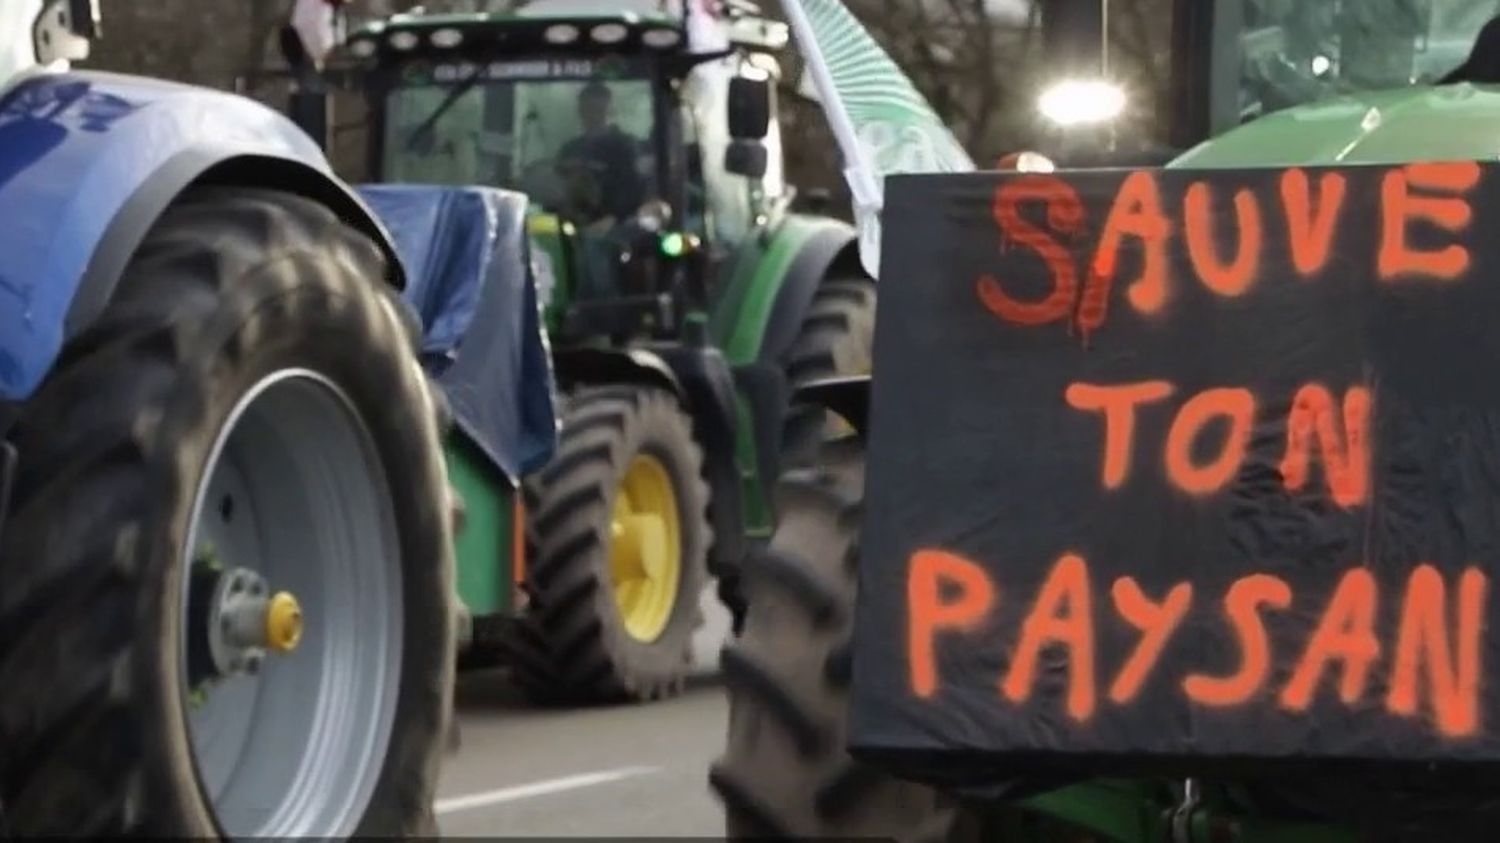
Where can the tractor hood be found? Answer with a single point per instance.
(1450, 123)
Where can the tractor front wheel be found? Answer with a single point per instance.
(621, 536)
(226, 588)
(837, 340)
(785, 772)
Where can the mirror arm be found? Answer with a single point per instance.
(684, 62)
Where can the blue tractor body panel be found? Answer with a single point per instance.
(88, 161)
(470, 279)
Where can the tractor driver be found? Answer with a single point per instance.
(605, 187)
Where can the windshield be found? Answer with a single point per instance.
(1300, 51)
(574, 134)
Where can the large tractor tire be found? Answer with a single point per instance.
(226, 583)
(621, 535)
(785, 771)
(837, 339)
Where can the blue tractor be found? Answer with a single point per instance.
(227, 597)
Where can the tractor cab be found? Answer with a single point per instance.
(644, 172)
(1318, 63)
(1298, 81)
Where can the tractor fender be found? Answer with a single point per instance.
(830, 247)
(774, 279)
(704, 383)
(847, 398)
(88, 163)
(576, 367)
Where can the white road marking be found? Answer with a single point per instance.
(541, 788)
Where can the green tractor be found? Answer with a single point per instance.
(686, 299)
(991, 681)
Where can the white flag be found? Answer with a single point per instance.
(705, 26)
(318, 27)
(882, 123)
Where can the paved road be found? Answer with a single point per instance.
(624, 771)
(619, 771)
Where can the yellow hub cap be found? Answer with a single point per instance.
(283, 623)
(645, 548)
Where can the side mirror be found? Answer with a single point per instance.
(747, 158)
(83, 18)
(64, 29)
(749, 108)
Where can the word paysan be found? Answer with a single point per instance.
(950, 596)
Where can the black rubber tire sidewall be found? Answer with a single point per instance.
(785, 772)
(307, 302)
(575, 648)
(836, 339)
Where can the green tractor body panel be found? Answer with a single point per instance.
(759, 519)
(1449, 123)
(755, 279)
(484, 547)
(1133, 811)
(758, 275)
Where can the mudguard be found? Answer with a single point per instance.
(470, 279)
(848, 398)
(583, 366)
(773, 284)
(88, 161)
(831, 249)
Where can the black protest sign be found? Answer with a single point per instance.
(1184, 465)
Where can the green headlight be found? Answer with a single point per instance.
(673, 244)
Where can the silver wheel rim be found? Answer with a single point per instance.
(295, 492)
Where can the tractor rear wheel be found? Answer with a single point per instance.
(226, 584)
(837, 340)
(785, 772)
(620, 531)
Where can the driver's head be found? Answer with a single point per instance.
(593, 106)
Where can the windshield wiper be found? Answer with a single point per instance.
(425, 128)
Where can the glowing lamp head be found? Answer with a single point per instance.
(674, 245)
(1027, 161)
(609, 33)
(561, 33)
(1082, 102)
(363, 47)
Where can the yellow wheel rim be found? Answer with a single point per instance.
(645, 548)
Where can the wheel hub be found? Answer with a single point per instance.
(641, 545)
(283, 623)
(645, 552)
(238, 622)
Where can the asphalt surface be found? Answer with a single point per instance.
(623, 771)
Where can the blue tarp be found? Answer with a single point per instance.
(469, 276)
